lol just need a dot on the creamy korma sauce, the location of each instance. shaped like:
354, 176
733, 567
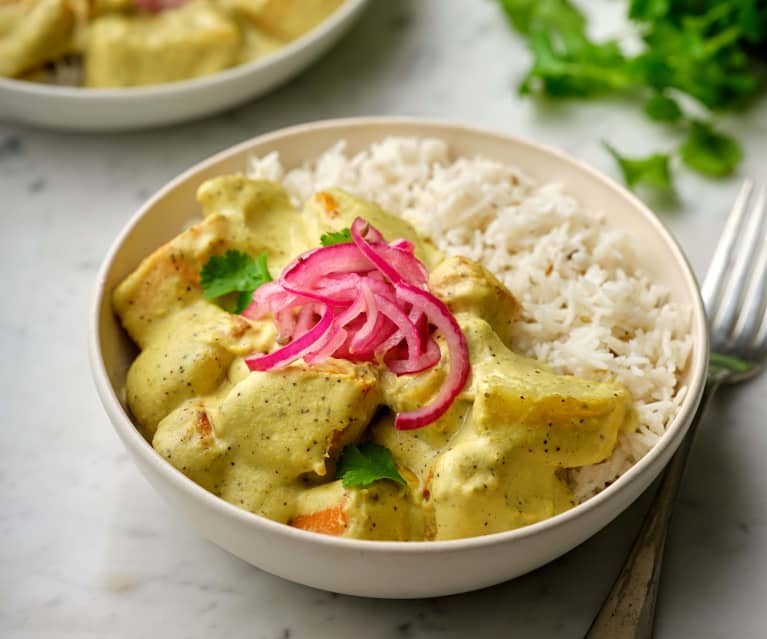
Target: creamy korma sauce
268, 441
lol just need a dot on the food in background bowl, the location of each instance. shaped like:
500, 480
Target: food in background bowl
128, 43
520, 441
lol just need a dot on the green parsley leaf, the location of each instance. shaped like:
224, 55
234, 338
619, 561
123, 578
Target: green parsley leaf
663, 108
709, 152
234, 272
336, 237
651, 170
361, 466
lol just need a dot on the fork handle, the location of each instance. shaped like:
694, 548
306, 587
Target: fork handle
628, 612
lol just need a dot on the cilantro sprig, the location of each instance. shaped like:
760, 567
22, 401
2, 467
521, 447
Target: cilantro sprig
663, 108
717, 361
362, 465
709, 152
336, 237
234, 272
652, 170
706, 52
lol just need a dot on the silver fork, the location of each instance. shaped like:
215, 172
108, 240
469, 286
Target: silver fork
735, 296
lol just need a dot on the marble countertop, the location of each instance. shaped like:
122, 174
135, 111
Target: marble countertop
87, 549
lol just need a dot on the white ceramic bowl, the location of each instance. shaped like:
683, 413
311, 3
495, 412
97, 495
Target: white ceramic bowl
74, 108
388, 569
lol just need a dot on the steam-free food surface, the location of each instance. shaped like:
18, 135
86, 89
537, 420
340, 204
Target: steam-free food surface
525, 440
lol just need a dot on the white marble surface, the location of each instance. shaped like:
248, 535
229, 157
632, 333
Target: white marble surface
86, 547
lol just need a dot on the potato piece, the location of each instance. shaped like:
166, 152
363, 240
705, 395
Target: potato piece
11, 15
134, 50
322, 509
497, 459
190, 357
262, 216
242, 214
334, 209
272, 430
468, 287
479, 487
256, 43
382, 511
187, 440
32, 33
287, 19
567, 421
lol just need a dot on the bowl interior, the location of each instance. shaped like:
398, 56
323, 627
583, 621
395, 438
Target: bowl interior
166, 213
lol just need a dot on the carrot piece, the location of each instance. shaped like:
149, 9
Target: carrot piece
331, 521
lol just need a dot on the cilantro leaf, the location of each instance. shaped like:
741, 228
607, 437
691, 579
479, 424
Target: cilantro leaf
234, 272
731, 364
648, 9
709, 152
336, 237
568, 65
530, 15
663, 108
707, 64
652, 170
361, 466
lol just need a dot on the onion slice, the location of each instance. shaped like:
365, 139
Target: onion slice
296, 349
365, 334
458, 372
397, 264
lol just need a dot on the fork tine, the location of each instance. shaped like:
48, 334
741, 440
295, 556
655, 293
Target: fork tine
754, 311
747, 243
720, 263
760, 341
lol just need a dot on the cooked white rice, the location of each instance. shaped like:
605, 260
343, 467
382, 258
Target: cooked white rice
586, 310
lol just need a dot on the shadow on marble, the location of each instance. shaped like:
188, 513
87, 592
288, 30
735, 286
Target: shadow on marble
715, 526
154, 569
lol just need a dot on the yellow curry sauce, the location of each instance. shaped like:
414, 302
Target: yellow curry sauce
268, 441
122, 44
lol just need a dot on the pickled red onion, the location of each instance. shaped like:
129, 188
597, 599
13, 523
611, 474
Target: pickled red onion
439, 315
365, 300
293, 351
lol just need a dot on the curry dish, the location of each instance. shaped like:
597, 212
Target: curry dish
269, 442
125, 43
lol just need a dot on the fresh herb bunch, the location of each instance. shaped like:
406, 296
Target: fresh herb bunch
712, 51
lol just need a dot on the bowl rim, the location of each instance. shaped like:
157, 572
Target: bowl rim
334, 21
131, 437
